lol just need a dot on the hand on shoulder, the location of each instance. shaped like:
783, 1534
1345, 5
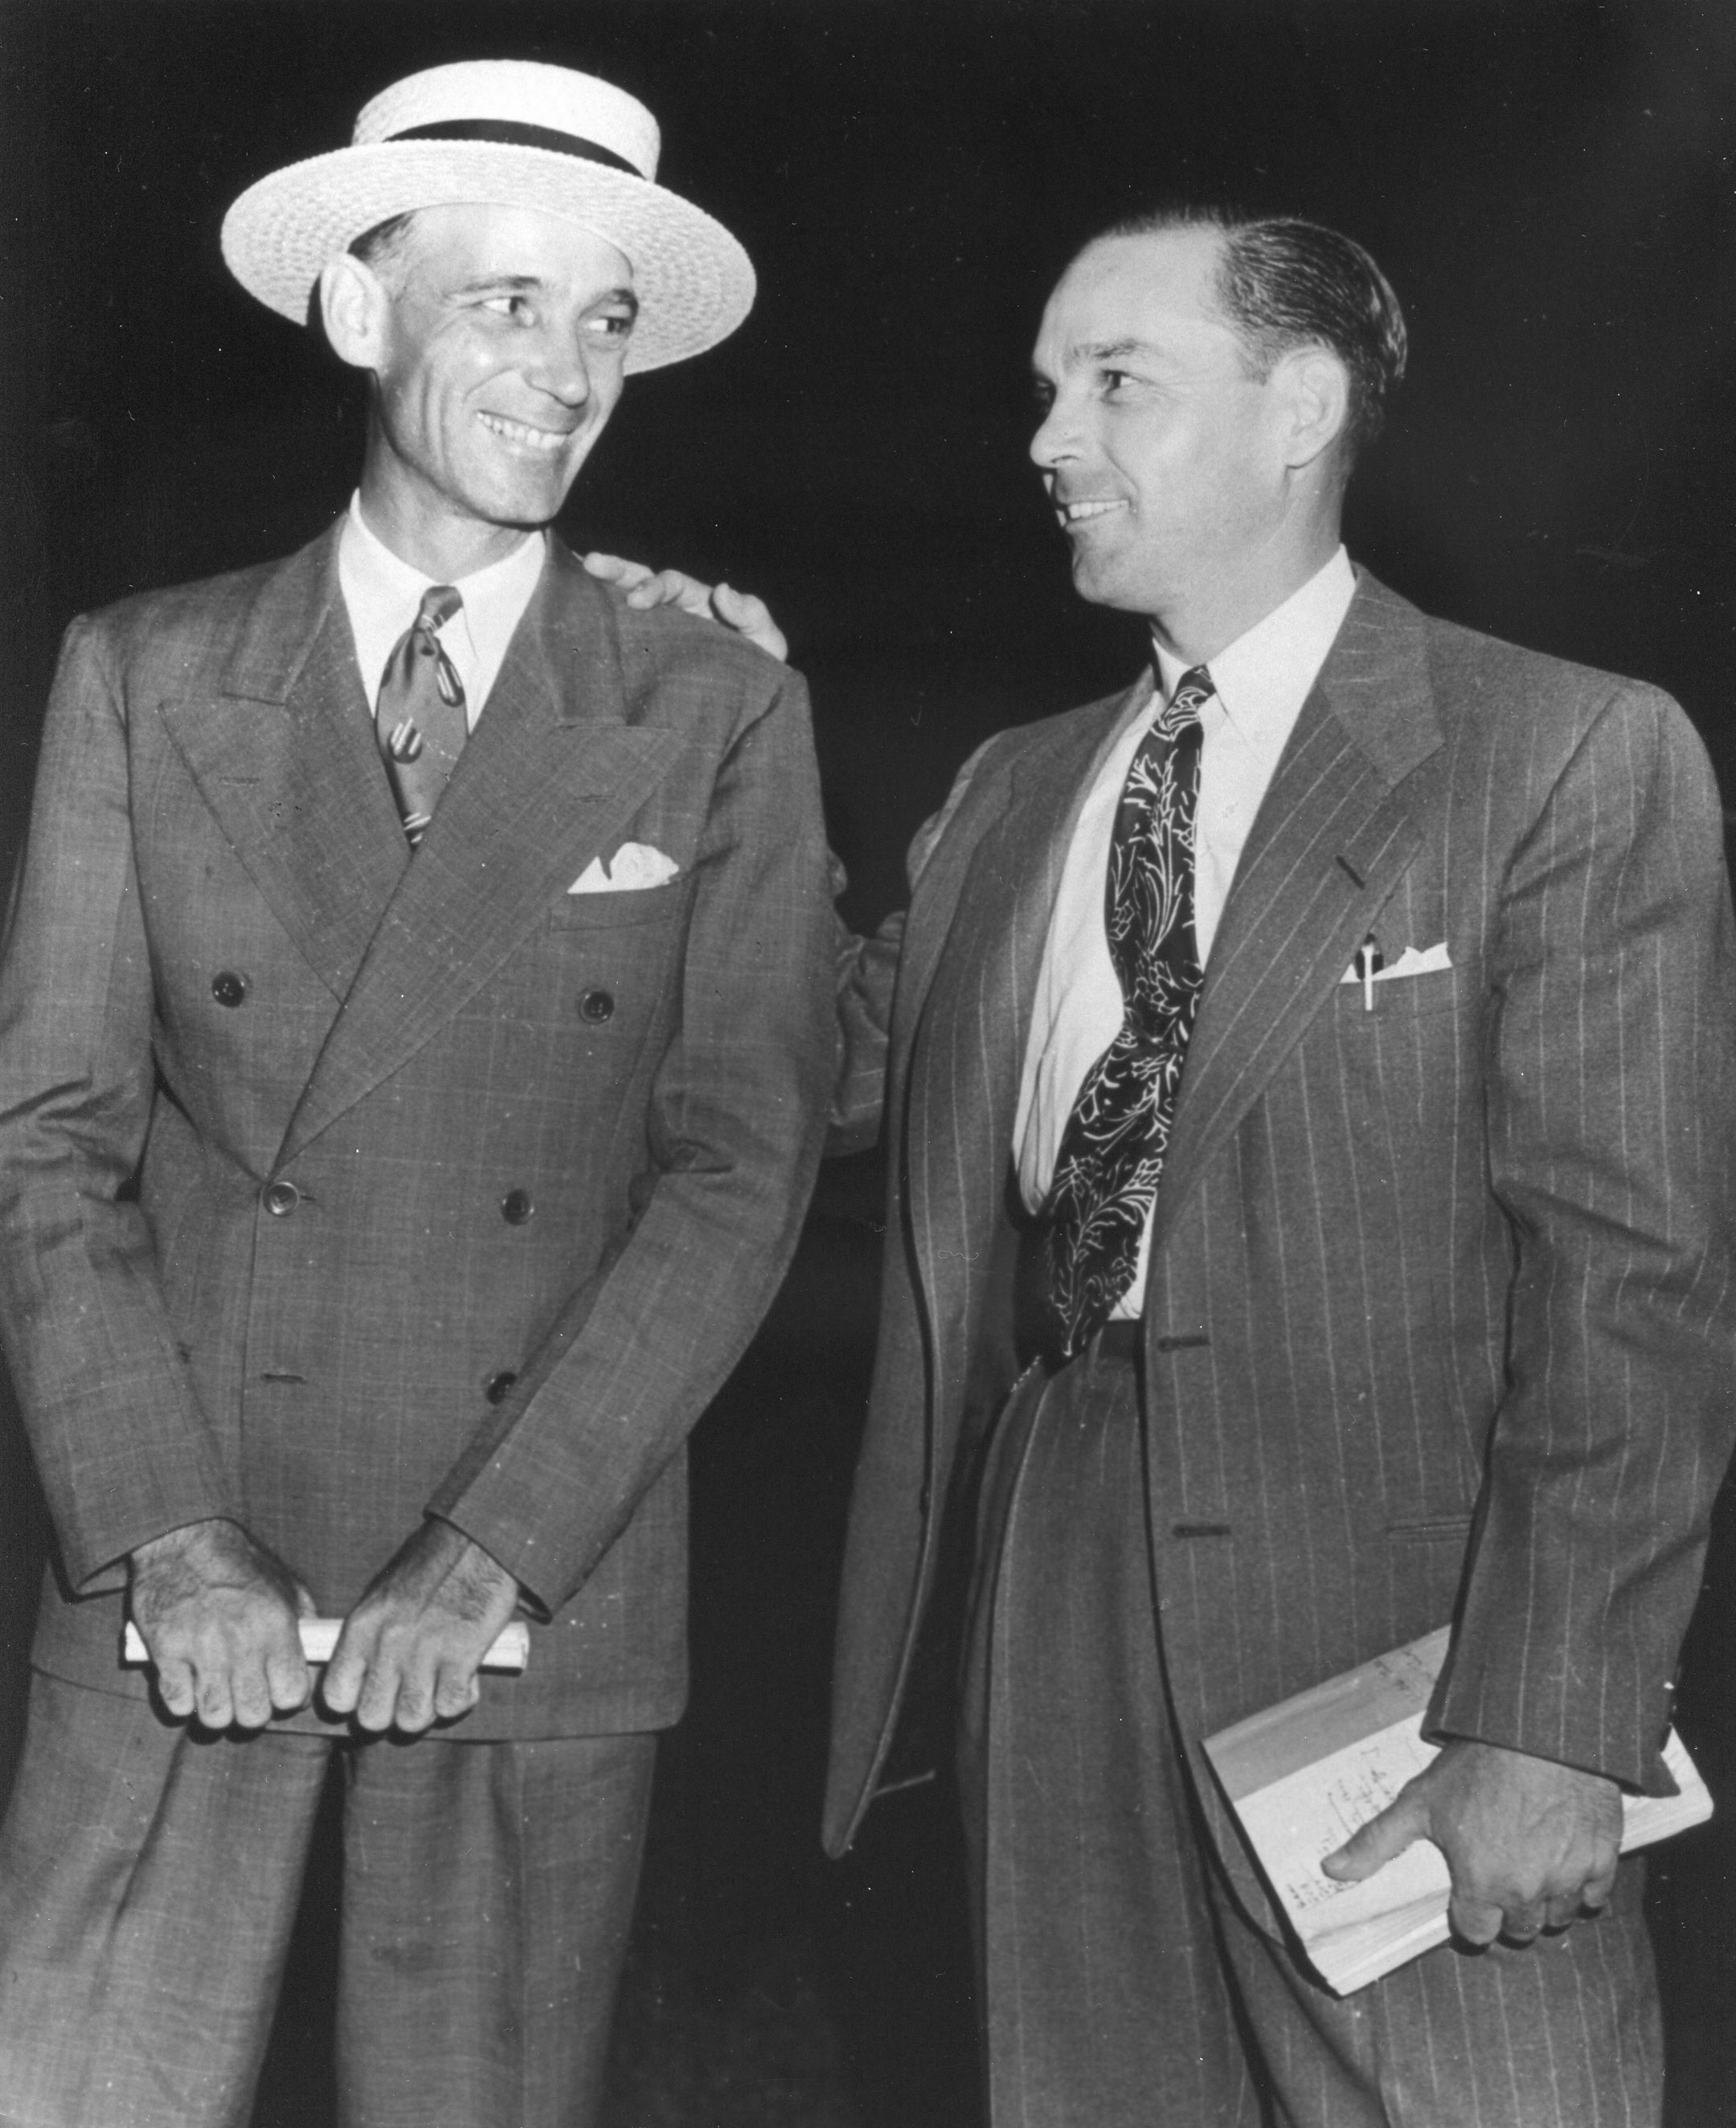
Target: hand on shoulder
740, 612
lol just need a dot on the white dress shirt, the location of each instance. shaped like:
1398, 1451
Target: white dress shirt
1260, 682
382, 594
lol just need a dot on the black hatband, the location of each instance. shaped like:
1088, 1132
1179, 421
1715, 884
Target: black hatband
508, 132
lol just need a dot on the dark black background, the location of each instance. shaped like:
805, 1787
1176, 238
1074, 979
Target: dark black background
1550, 188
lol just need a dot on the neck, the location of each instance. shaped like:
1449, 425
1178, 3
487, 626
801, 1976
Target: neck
1204, 620
442, 548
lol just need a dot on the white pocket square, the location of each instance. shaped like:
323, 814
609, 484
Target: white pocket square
1410, 962
633, 866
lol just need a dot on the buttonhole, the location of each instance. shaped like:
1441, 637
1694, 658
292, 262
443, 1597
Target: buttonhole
1200, 1529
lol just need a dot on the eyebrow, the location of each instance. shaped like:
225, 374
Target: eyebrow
1085, 351
514, 284
1113, 350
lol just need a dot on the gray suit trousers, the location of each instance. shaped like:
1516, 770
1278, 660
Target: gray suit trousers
148, 1881
1123, 1986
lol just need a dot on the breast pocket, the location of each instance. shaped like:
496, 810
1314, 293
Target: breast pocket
626, 906
1403, 998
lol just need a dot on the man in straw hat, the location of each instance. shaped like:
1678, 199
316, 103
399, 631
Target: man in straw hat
414, 1027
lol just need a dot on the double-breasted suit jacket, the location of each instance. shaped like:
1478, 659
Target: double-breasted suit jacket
340, 1186
1439, 1322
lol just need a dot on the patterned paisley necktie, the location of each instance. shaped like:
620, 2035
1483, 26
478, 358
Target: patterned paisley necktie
420, 719
1111, 1154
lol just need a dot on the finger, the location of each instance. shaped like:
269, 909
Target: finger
1563, 1912
751, 617
215, 1707
1375, 1845
1594, 1894
1522, 1924
377, 1705
457, 1691
669, 587
404, 1699
1474, 1921
614, 569
347, 1671
174, 1682
288, 1678
250, 1694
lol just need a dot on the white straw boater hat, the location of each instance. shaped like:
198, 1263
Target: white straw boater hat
502, 133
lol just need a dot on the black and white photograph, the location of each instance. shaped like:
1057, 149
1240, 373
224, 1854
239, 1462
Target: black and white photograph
867, 1064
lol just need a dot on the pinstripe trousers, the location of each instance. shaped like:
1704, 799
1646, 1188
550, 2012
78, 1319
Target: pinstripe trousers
1123, 1986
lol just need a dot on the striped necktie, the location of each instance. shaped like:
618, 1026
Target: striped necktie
1111, 1152
420, 719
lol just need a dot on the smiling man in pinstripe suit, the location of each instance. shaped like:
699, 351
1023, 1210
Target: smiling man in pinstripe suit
1308, 1082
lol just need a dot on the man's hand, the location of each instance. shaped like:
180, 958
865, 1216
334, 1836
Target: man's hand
408, 1652
1530, 1843
740, 610
218, 1614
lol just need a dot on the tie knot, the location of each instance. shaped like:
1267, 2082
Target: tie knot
1181, 713
439, 602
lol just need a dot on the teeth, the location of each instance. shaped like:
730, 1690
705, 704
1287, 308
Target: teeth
550, 441
1073, 512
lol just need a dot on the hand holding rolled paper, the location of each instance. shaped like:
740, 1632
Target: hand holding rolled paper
319, 1637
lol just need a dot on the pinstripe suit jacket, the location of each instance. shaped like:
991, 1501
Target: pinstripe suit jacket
635, 1079
1439, 1320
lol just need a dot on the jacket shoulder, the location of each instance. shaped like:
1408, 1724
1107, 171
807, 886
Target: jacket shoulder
179, 625
1475, 675
668, 644
1514, 717
182, 605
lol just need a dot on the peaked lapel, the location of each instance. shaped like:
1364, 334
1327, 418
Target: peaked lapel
975, 1015
283, 754
1332, 838
550, 774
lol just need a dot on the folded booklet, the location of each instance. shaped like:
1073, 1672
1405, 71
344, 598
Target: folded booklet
1306, 1774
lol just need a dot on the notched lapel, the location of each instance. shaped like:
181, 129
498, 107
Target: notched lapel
1334, 836
284, 757
548, 781
976, 1011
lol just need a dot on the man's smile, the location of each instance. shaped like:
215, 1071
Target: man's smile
549, 441
1087, 506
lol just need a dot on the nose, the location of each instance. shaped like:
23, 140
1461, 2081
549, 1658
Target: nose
1057, 437
557, 366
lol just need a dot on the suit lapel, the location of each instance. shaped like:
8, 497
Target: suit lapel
550, 776
984, 938
1334, 836
283, 754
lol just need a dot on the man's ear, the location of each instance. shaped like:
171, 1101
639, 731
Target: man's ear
355, 308
1317, 401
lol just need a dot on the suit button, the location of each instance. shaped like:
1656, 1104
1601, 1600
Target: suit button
228, 988
516, 1207
497, 1385
596, 1005
281, 1198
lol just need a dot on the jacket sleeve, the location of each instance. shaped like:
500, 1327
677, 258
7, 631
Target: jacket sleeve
867, 978
737, 1115
123, 1450
1610, 1107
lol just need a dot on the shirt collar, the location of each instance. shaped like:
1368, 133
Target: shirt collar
1263, 678
382, 593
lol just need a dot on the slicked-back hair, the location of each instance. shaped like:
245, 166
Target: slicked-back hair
383, 247
1284, 283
